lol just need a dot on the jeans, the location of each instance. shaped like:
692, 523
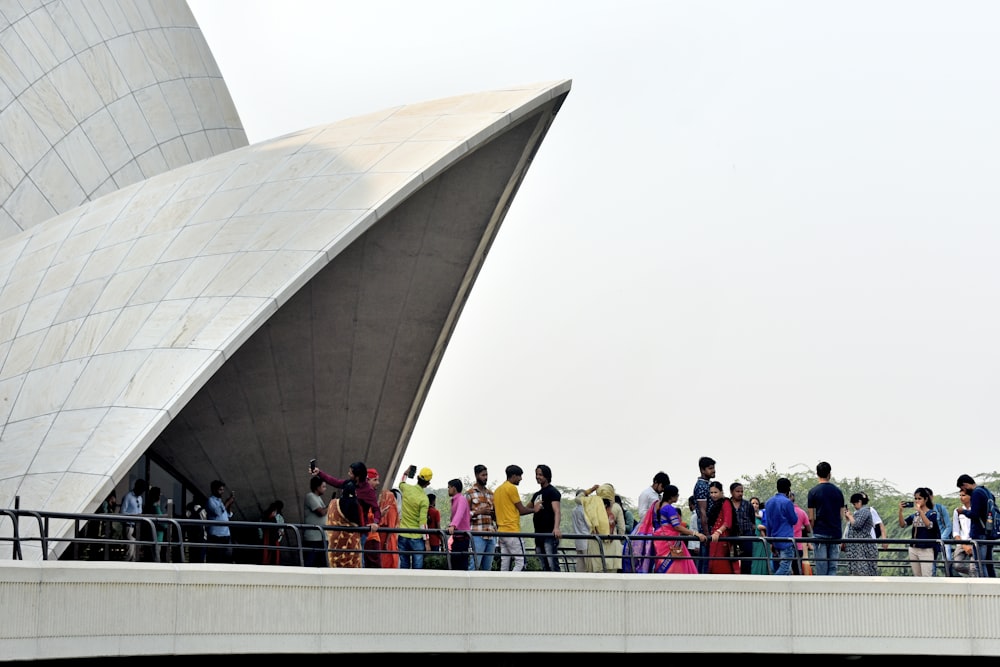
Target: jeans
219, 550
485, 548
411, 553
547, 549
314, 554
782, 562
459, 555
826, 552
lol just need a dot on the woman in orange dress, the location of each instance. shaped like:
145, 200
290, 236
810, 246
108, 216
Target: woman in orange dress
721, 519
390, 519
344, 545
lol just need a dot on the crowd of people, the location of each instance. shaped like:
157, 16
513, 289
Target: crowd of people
361, 526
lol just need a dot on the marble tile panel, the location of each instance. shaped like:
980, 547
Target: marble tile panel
20, 440
462, 128
198, 145
323, 229
42, 311
102, 72
152, 162
235, 274
187, 54
80, 300
181, 106
168, 376
175, 152
234, 316
128, 174
273, 229
36, 44
10, 321
396, 129
203, 92
79, 155
220, 140
102, 379
115, 19
30, 204
104, 135
173, 215
51, 36
146, 251
271, 197
147, 15
6, 96
83, 22
222, 204
231, 117
57, 183
199, 314
12, 42
45, 389
23, 139
121, 431
319, 191
158, 280
132, 124
60, 275
125, 325
279, 276
198, 277
78, 246
8, 226
302, 164
56, 340
189, 241
161, 321
357, 159
90, 334
46, 107
125, 228
133, 18
62, 19
103, 262
153, 107
369, 190
13, 78
21, 354
414, 156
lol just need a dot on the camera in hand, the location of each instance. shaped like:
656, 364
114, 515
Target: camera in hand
908, 503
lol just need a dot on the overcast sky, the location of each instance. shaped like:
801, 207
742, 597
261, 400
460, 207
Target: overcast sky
762, 232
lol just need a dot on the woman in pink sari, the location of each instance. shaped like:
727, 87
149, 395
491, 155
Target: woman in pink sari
672, 555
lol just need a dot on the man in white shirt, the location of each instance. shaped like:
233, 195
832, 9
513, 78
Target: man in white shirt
651, 494
132, 504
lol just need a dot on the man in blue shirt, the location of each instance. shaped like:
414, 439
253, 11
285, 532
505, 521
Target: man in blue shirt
979, 496
780, 519
218, 533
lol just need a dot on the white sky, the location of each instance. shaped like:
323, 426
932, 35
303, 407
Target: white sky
762, 232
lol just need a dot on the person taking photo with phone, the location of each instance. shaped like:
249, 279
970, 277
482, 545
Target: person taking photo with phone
924, 523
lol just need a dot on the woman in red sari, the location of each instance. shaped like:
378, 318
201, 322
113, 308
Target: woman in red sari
672, 555
721, 519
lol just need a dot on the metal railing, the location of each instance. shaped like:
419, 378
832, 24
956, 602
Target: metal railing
169, 539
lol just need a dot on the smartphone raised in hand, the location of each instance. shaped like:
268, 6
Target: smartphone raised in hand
312, 464
411, 472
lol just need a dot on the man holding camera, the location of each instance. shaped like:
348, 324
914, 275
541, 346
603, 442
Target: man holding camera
413, 515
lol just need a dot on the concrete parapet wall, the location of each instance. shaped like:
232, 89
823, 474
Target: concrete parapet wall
82, 610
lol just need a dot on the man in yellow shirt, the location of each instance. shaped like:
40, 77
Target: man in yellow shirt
509, 508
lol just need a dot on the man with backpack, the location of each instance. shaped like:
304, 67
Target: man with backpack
979, 512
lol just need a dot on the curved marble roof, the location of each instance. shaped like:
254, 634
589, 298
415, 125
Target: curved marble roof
242, 313
95, 96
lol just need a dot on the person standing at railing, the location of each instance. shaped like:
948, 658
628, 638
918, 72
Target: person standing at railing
219, 514
547, 516
863, 556
414, 515
314, 514
482, 511
979, 497
744, 527
779, 521
702, 497
132, 504
826, 508
510, 509
963, 560
721, 519
458, 526
924, 523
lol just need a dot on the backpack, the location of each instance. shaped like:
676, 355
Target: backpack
992, 526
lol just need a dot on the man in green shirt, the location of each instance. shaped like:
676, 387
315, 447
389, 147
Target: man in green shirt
411, 546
